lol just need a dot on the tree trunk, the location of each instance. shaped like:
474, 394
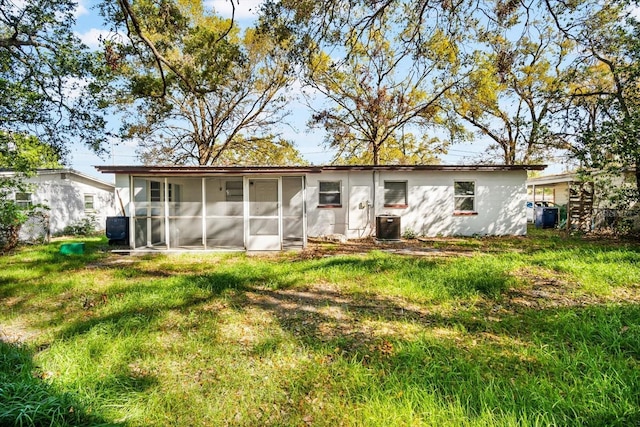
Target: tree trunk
376, 154
637, 180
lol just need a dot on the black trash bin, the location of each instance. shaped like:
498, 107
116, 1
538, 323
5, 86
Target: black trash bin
545, 217
388, 227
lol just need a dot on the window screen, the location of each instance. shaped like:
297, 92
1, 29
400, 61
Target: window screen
23, 199
155, 191
330, 193
464, 196
234, 191
395, 193
88, 202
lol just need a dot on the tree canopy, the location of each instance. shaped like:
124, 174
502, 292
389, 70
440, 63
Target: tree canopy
529, 73
203, 91
48, 78
381, 93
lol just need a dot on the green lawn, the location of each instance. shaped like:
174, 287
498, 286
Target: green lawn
539, 330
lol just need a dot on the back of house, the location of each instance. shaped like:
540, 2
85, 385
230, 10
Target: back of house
273, 208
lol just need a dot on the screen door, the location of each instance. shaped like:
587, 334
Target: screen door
264, 215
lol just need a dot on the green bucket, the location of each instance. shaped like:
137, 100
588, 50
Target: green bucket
72, 248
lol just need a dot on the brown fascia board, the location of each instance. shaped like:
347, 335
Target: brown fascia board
205, 170
235, 170
435, 167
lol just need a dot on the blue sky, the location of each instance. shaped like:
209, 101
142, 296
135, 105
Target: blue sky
90, 27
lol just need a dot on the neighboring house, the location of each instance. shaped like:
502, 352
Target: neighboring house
587, 200
70, 196
551, 188
270, 208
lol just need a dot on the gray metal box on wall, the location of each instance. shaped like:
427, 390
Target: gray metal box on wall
388, 227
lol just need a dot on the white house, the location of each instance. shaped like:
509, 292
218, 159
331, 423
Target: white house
270, 208
70, 196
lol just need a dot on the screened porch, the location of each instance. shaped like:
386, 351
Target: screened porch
218, 213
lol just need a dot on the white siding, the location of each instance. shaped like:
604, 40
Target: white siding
500, 200
327, 220
65, 199
499, 203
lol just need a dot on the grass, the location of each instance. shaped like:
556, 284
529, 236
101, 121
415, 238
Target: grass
541, 330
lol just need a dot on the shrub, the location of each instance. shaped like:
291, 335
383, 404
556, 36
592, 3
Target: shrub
83, 227
409, 233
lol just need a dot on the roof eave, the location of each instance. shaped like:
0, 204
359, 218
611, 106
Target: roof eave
239, 170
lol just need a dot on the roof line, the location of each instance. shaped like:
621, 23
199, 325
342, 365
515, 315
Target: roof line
196, 170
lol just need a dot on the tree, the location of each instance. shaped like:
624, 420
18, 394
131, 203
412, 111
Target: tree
524, 92
379, 89
48, 79
607, 91
204, 93
516, 89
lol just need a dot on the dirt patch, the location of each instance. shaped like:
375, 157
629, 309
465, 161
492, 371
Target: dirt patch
317, 248
322, 312
543, 291
17, 334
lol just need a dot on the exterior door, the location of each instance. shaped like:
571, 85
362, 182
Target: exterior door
264, 232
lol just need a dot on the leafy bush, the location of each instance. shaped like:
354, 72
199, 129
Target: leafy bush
409, 233
12, 215
83, 227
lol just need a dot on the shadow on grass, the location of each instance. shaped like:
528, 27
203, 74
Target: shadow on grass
565, 365
27, 400
460, 277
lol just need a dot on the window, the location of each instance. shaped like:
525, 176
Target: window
234, 191
464, 194
395, 194
88, 202
330, 195
23, 200
155, 193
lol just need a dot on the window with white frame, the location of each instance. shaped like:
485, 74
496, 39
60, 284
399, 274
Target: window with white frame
464, 194
89, 202
330, 194
23, 200
395, 194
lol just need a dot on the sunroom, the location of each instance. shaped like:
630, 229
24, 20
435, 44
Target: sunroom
225, 211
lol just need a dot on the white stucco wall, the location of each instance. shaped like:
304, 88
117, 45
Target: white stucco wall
65, 199
499, 203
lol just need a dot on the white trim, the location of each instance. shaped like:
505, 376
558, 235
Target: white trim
304, 210
203, 202
132, 214
248, 238
475, 195
167, 229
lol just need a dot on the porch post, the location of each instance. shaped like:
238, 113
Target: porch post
166, 213
304, 211
280, 211
132, 215
245, 210
204, 212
